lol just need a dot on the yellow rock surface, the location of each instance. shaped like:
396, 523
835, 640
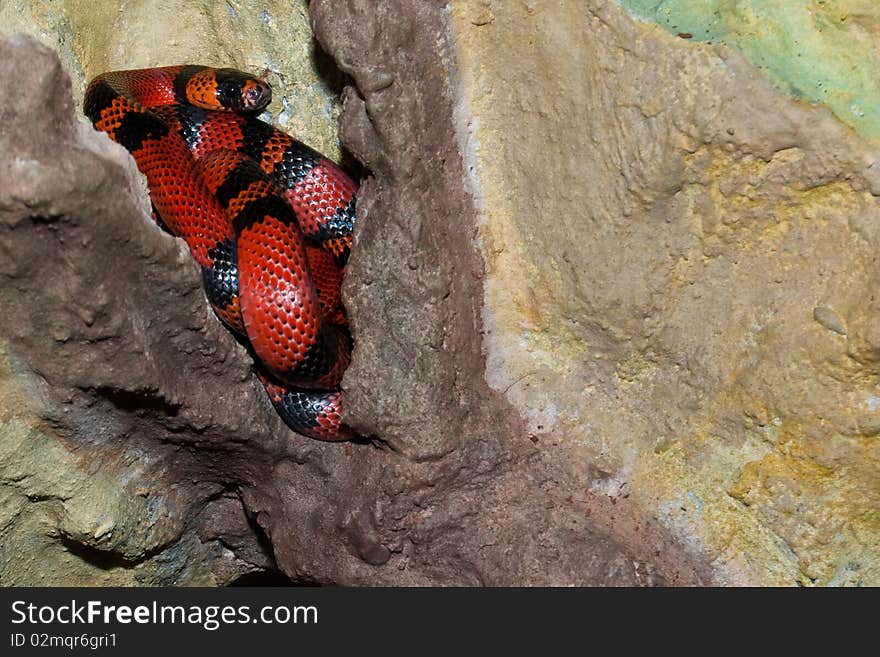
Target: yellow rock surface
681, 282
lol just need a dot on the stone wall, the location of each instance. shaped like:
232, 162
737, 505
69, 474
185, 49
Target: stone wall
612, 296
681, 278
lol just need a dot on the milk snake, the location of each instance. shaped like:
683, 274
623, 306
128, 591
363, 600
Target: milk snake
268, 220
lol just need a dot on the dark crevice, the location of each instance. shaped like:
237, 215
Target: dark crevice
262, 578
336, 81
328, 72
132, 401
47, 218
103, 559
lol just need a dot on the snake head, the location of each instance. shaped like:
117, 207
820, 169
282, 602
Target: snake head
241, 92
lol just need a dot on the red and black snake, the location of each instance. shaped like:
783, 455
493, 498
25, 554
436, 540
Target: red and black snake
268, 220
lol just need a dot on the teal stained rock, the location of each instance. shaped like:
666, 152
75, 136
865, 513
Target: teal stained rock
821, 51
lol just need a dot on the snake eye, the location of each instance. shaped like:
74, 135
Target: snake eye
229, 94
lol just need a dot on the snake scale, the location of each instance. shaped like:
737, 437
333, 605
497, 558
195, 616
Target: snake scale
268, 219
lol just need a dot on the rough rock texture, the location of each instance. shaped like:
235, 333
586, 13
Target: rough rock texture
502, 509
681, 282
170, 466
105, 409
824, 52
614, 313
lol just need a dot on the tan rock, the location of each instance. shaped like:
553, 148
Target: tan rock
681, 282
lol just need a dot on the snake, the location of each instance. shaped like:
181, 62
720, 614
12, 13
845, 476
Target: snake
268, 220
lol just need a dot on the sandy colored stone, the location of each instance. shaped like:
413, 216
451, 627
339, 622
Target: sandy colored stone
680, 285
491, 503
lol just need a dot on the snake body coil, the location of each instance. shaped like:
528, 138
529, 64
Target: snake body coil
268, 220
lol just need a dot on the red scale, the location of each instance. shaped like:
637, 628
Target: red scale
289, 302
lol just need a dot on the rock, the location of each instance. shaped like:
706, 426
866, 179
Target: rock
513, 511
97, 413
658, 225
819, 52
612, 301
127, 377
